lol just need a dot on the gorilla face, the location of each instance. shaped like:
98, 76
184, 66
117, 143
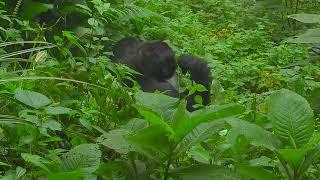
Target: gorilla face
158, 60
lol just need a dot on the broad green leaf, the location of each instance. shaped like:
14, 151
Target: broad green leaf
32, 9
180, 116
153, 141
306, 18
111, 169
294, 157
291, 117
151, 117
33, 99
262, 161
26, 140
254, 133
200, 133
256, 173
198, 153
9, 176
309, 37
198, 100
86, 123
57, 110
93, 22
115, 139
313, 142
85, 157
36, 160
239, 145
206, 114
135, 125
200, 88
211, 113
205, 172
73, 175
52, 124
161, 104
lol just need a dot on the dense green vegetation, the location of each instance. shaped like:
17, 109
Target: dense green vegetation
65, 112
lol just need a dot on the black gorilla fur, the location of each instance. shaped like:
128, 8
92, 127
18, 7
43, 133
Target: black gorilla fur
155, 60
200, 73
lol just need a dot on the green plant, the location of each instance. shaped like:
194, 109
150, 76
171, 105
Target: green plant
65, 113
312, 35
294, 143
169, 134
79, 162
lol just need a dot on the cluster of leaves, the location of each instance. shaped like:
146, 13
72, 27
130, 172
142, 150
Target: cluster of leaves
65, 113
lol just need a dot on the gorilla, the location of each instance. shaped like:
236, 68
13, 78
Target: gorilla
156, 63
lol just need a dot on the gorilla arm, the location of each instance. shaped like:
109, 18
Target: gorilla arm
201, 74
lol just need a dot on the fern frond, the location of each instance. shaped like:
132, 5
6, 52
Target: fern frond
127, 12
17, 7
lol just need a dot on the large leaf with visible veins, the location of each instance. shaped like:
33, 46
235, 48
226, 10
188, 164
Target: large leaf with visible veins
291, 117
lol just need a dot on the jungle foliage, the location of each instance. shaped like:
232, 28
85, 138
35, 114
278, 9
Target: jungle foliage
65, 112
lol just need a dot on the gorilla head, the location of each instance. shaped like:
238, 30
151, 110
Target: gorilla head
157, 60
153, 59
125, 50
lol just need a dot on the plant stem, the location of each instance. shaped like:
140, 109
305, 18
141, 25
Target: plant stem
287, 10
283, 163
166, 174
254, 107
297, 7
295, 12
131, 157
